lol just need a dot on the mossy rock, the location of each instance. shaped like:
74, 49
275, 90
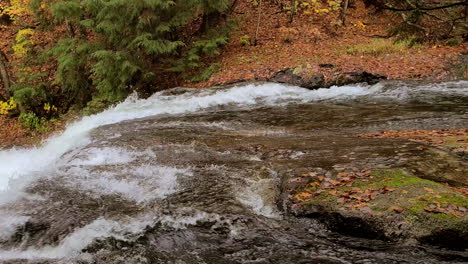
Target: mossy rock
393, 204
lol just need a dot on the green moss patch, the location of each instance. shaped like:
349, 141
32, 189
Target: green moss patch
423, 204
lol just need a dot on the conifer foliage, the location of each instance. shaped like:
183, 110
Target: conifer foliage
113, 46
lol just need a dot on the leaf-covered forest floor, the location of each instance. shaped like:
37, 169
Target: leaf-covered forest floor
312, 40
309, 41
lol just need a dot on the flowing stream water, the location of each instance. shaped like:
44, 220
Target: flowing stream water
196, 177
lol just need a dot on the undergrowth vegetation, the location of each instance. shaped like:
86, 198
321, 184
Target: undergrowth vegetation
378, 47
110, 48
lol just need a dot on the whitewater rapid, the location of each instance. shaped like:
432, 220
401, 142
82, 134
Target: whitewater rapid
22, 164
17, 163
74, 160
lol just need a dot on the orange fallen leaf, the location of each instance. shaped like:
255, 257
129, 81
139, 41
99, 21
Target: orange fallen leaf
456, 214
359, 205
396, 209
341, 174
315, 183
334, 182
429, 190
302, 195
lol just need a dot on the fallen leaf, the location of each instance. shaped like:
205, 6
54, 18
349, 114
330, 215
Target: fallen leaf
359, 205
334, 182
388, 189
315, 183
429, 190
341, 175
302, 195
396, 209
456, 214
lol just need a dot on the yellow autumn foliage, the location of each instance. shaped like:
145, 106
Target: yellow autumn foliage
48, 108
319, 7
16, 8
23, 42
6, 107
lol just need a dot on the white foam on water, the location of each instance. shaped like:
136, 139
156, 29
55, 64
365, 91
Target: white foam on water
9, 224
104, 156
186, 217
259, 196
72, 245
456, 87
140, 183
143, 184
182, 222
126, 230
403, 91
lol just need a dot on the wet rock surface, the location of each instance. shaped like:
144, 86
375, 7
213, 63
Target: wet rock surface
294, 76
219, 186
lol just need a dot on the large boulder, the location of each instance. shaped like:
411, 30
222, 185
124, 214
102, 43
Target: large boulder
357, 77
296, 76
293, 76
389, 204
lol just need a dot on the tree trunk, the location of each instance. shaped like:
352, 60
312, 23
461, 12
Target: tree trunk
343, 12
258, 22
293, 11
4, 74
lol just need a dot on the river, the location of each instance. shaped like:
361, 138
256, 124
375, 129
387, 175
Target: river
196, 177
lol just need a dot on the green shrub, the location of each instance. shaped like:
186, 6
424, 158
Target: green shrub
244, 40
453, 42
32, 122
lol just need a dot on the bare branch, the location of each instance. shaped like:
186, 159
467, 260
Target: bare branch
386, 7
